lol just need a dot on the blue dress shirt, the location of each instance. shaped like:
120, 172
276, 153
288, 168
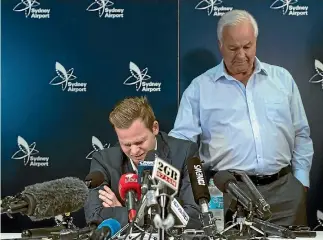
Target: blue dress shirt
258, 128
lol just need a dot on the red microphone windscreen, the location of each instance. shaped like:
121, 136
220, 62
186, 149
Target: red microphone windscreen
129, 182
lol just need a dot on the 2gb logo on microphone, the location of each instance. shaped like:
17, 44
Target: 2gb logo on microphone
166, 173
27, 153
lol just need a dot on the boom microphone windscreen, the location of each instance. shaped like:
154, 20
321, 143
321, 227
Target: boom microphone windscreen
52, 198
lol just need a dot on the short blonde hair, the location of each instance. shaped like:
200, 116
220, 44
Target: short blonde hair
131, 109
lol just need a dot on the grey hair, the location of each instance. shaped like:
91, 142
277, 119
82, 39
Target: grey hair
234, 17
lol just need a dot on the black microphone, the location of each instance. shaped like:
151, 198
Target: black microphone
49, 199
77, 233
226, 183
259, 199
274, 229
41, 232
198, 181
94, 179
201, 194
145, 169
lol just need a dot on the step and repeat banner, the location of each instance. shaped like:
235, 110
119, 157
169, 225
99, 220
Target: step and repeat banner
290, 36
65, 64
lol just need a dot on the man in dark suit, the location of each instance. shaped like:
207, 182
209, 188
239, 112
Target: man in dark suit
138, 132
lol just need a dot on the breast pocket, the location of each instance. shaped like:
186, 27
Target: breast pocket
277, 109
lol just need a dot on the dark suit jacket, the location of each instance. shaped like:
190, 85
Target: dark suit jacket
113, 163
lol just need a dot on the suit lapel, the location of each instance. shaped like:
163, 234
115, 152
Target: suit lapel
162, 148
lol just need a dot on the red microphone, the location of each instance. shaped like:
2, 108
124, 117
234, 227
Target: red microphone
130, 192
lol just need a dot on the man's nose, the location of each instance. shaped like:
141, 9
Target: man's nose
241, 53
134, 150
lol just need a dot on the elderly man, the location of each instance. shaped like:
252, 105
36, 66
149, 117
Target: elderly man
138, 132
249, 116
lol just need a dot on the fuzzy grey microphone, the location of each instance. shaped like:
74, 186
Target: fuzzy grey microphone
49, 199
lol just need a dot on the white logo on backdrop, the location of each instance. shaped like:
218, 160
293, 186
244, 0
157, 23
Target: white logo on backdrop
105, 9
289, 8
318, 77
319, 216
27, 152
65, 79
30, 7
139, 78
97, 146
213, 7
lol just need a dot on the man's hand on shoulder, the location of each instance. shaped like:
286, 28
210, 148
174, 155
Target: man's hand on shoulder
108, 198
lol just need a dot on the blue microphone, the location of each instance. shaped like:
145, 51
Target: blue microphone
106, 229
145, 169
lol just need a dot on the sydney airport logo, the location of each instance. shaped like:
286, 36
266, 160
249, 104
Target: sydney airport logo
105, 9
66, 80
140, 78
213, 7
290, 8
319, 215
32, 9
27, 153
318, 77
97, 146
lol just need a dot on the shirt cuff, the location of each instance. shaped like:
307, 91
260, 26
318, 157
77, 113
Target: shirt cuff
303, 176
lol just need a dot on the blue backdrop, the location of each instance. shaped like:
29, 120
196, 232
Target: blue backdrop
52, 48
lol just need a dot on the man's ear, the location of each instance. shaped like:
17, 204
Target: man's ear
155, 128
220, 45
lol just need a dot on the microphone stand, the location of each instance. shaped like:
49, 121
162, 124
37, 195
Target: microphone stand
207, 219
247, 223
244, 223
129, 226
163, 202
14, 204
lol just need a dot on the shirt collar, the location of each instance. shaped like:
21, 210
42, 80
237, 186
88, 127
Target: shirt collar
134, 167
222, 72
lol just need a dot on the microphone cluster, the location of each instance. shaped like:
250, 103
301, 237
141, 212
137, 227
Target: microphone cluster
150, 196
150, 199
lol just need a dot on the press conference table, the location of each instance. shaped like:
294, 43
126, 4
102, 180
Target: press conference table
319, 235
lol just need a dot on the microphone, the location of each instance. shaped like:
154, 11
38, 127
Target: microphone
49, 199
94, 179
76, 233
145, 169
201, 194
227, 183
179, 212
274, 229
199, 186
106, 229
130, 192
41, 232
260, 202
167, 175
